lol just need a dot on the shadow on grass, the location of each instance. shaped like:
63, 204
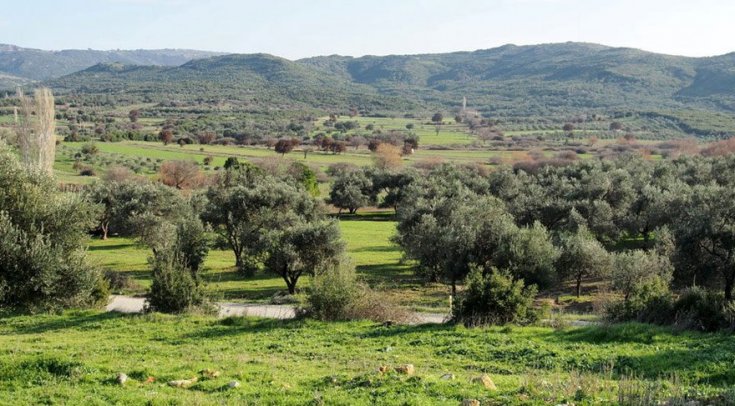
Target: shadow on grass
368, 216
82, 320
691, 357
399, 330
389, 273
388, 248
235, 276
110, 247
235, 325
625, 333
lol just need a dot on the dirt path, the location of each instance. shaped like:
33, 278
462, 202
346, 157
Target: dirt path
129, 304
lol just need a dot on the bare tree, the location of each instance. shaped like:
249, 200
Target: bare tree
387, 157
181, 174
35, 127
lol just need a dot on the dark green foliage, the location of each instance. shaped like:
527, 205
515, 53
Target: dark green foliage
642, 278
333, 293
43, 264
133, 208
696, 308
447, 223
494, 298
174, 288
243, 210
303, 247
582, 256
699, 309
352, 190
705, 234
191, 243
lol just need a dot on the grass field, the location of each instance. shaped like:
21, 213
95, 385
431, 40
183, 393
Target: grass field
146, 155
450, 133
74, 358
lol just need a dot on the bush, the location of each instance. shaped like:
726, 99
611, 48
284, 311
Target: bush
191, 243
174, 288
43, 236
86, 170
338, 295
333, 293
494, 299
120, 281
643, 280
703, 310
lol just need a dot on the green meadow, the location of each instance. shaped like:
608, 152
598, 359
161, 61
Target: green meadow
74, 358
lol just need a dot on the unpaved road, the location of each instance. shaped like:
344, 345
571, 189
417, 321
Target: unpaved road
130, 304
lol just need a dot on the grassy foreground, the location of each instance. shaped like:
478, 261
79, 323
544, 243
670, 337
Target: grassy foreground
74, 358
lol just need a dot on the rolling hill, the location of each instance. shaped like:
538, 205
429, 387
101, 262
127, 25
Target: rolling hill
544, 79
537, 80
258, 79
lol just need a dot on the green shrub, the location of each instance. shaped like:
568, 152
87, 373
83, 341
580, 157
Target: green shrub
333, 293
43, 235
192, 243
494, 299
643, 280
695, 309
700, 309
337, 294
174, 288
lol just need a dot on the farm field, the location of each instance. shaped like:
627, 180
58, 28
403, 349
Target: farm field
74, 358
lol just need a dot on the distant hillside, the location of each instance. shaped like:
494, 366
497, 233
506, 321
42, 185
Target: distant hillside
253, 78
11, 82
36, 64
542, 79
538, 80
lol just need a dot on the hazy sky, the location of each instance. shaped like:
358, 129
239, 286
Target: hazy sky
296, 29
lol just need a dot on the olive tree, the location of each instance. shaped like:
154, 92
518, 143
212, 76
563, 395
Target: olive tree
582, 255
352, 190
705, 237
242, 213
43, 237
306, 247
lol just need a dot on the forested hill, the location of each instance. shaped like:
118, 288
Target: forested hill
509, 80
538, 78
257, 79
37, 64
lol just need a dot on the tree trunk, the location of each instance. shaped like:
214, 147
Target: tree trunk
728, 286
291, 286
105, 229
579, 285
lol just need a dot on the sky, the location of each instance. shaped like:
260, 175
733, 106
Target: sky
302, 28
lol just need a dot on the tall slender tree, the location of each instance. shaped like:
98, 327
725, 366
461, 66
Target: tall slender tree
35, 128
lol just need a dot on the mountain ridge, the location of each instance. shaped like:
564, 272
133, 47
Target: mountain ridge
538, 80
38, 65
